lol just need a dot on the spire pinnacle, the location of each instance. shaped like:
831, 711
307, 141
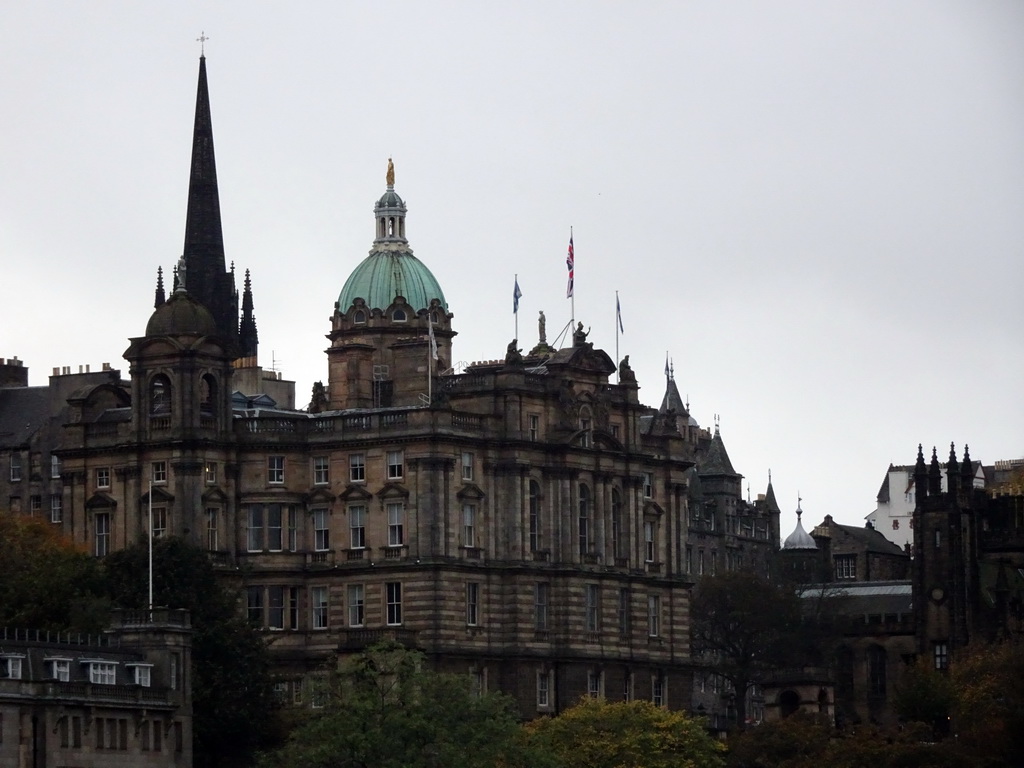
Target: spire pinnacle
160, 297
202, 44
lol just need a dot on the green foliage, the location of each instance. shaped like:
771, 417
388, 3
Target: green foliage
925, 695
804, 741
989, 710
233, 702
743, 627
631, 734
47, 583
384, 711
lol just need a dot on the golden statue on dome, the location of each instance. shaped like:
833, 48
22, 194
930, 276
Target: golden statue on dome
391, 173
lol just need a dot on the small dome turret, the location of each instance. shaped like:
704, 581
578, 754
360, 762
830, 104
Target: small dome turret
799, 538
181, 315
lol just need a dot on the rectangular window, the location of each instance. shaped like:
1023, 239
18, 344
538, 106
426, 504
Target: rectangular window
714, 562
143, 675
321, 533
293, 532
212, 539
938, 539
700, 562
318, 600
275, 607
357, 526
648, 485
254, 605
255, 528
35, 505
627, 686
357, 468
624, 603
592, 599
846, 566
16, 468
543, 689
210, 473
689, 559
275, 527
56, 508
60, 669
275, 469
469, 525
594, 684
101, 523
159, 522
653, 615
658, 690
534, 427
472, 603
291, 595
393, 596
102, 477
649, 541
396, 465
396, 534
541, 599
54, 467
321, 471
158, 472
102, 673
467, 466
941, 656
356, 605
175, 670
12, 665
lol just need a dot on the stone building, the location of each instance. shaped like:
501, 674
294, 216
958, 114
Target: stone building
525, 520
123, 698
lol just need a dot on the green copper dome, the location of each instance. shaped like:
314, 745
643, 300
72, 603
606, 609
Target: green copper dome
391, 270
383, 275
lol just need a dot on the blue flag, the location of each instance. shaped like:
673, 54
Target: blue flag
516, 293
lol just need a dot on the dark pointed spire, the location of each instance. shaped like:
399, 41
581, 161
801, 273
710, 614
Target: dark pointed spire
161, 297
934, 474
248, 338
967, 471
952, 471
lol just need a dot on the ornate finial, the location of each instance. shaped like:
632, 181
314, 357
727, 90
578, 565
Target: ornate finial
666, 367
202, 43
672, 370
391, 173
799, 501
769, 476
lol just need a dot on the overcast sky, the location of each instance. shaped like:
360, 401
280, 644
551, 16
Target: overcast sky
815, 208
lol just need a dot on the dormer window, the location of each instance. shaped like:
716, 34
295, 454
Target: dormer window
102, 672
398, 316
142, 674
10, 666
359, 318
60, 668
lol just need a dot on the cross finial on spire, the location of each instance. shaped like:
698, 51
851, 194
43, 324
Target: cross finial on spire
202, 43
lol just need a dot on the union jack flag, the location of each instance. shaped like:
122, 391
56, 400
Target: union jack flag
569, 262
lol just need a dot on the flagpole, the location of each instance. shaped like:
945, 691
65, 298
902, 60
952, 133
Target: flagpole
617, 316
151, 546
430, 361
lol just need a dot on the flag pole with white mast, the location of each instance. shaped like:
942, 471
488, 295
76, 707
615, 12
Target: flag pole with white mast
151, 546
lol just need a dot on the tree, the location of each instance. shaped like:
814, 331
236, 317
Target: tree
599, 734
383, 710
989, 709
925, 695
232, 696
743, 627
46, 582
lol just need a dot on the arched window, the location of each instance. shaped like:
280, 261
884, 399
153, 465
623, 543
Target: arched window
535, 536
208, 396
584, 520
617, 544
359, 317
160, 396
586, 427
398, 316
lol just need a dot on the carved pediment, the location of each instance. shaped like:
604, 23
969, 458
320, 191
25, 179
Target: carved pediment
470, 491
100, 501
355, 493
160, 496
216, 496
393, 491
320, 496
653, 510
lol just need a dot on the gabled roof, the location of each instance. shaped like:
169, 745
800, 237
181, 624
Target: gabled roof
872, 539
